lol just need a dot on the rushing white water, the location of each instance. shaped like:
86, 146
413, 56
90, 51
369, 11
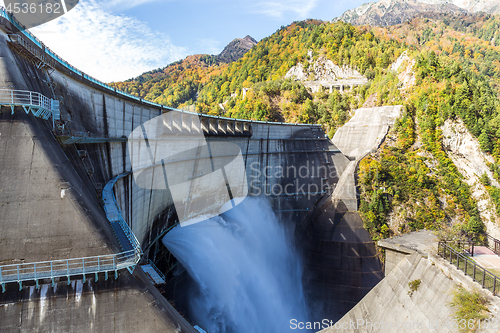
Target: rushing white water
247, 272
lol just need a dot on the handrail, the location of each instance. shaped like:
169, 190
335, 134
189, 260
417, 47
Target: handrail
114, 214
463, 262
42, 56
25, 97
48, 51
160, 274
80, 266
65, 267
37, 103
493, 244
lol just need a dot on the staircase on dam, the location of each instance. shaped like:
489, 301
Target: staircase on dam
153, 273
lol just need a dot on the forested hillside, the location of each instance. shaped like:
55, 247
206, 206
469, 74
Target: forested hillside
412, 180
457, 76
218, 88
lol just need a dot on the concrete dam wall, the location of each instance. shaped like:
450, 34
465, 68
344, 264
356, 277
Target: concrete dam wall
52, 177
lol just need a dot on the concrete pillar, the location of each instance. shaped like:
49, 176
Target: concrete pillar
246, 128
196, 124
205, 125
230, 127
177, 121
214, 126
238, 127
167, 121
186, 122
222, 128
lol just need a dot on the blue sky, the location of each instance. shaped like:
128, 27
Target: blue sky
115, 40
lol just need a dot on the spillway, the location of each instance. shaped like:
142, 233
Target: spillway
247, 274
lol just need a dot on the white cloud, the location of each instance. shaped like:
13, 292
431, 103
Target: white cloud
279, 8
107, 46
125, 4
210, 45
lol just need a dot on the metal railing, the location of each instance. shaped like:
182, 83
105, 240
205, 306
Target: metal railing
42, 57
38, 104
80, 266
65, 268
462, 261
48, 51
160, 274
493, 244
114, 214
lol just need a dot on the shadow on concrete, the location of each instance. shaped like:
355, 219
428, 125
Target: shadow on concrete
341, 263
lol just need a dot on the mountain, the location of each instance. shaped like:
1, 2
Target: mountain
443, 68
179, 82
236, 49
391, 12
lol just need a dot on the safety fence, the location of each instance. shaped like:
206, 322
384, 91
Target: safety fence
42, 58
493, 244
127, 259
464, 262
66, 268
41, 106
156, 270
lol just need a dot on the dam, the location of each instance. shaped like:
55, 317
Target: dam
81, 241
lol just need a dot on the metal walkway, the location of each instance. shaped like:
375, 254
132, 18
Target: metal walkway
36, 103
127, 259
153, 272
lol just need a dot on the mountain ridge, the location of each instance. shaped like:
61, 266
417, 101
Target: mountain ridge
236, 49
391, 12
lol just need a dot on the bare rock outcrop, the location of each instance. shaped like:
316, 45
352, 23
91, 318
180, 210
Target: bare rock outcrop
404, 67
465, 152
324, 73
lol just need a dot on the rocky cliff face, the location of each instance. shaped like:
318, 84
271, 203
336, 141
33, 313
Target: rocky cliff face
404, 67
465, 152
324, 72
390, 12
236, 49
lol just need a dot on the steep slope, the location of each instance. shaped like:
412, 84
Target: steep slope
178, 83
